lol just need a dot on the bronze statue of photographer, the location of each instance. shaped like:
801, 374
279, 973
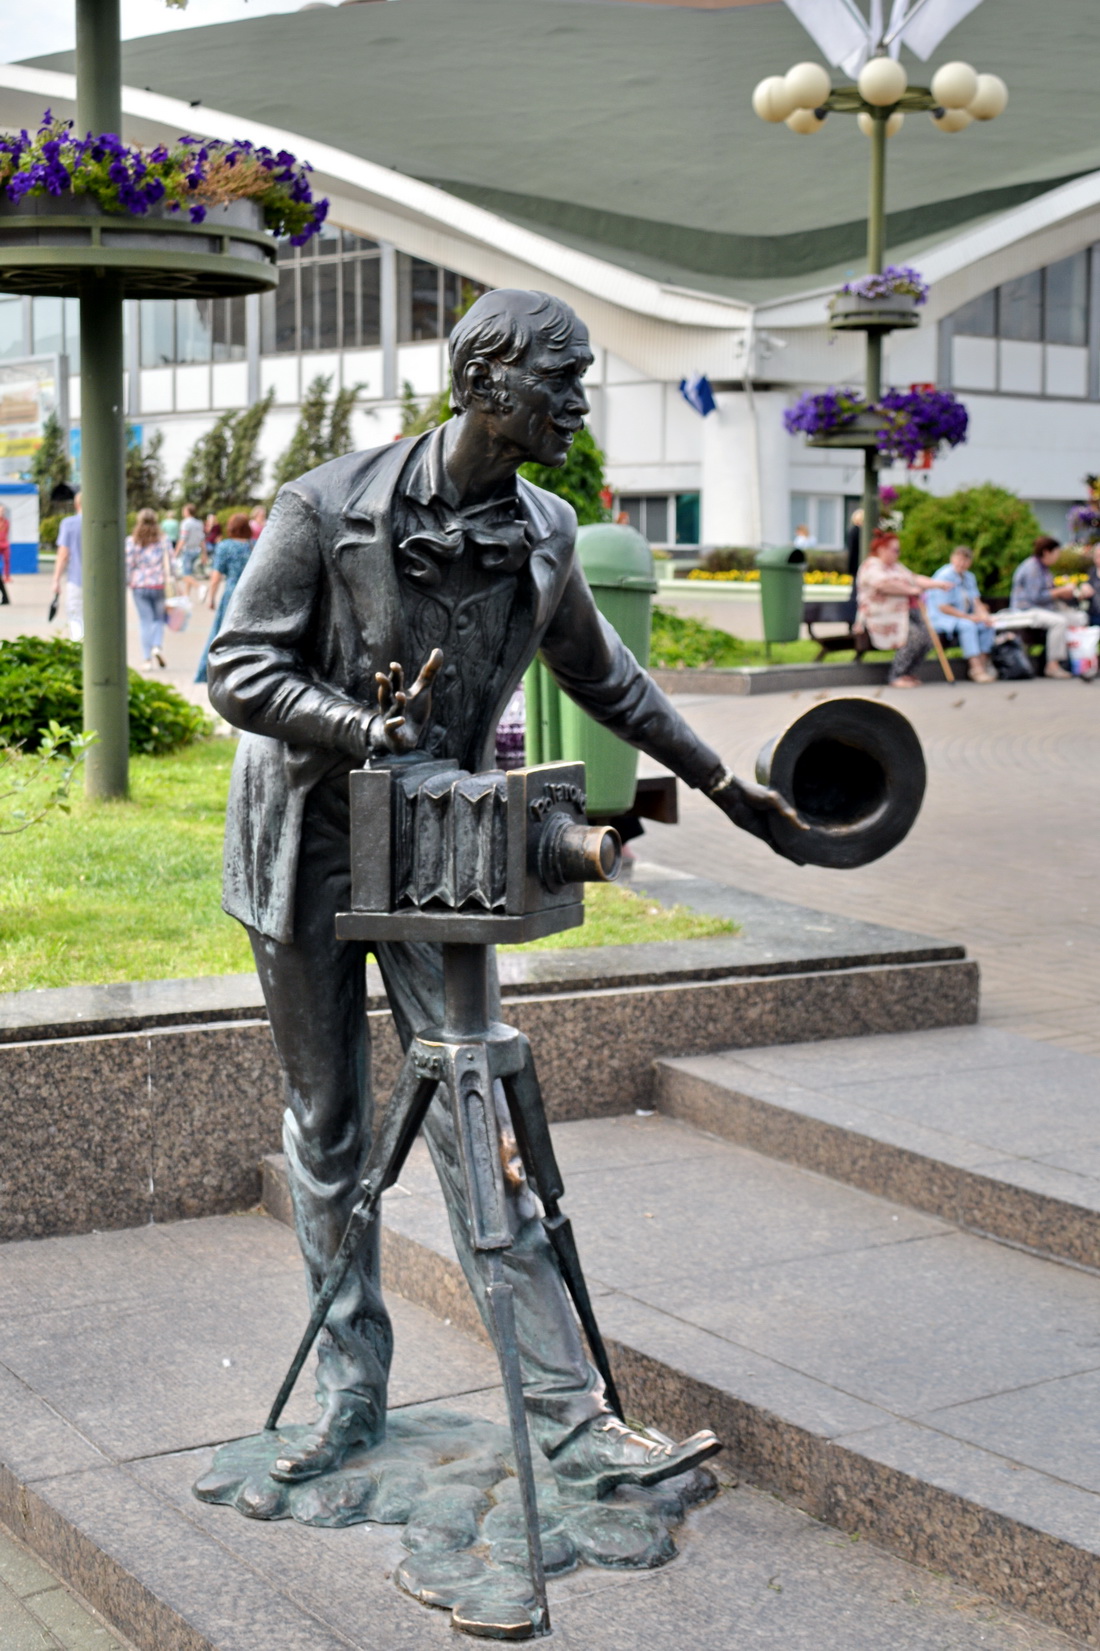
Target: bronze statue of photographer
392, 604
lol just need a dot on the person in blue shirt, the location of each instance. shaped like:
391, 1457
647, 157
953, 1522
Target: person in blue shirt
959, 614
68, 570
1037, 603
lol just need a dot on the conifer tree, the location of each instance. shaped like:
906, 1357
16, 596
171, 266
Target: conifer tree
51, 464
223, 468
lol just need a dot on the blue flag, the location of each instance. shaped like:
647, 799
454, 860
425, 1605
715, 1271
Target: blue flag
697, 392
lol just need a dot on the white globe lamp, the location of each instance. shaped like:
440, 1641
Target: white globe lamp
805, 121
771, 100
951, 120
808, 85
955, 85
990, 100
867, 123
882, 81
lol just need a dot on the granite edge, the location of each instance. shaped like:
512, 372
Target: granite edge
991, 1206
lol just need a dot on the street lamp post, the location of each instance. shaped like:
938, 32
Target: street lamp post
103, 436
880, 99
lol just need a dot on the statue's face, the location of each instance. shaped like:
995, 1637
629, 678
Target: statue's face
547, 399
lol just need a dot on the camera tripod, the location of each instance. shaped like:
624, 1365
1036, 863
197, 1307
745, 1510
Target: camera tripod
467, 1055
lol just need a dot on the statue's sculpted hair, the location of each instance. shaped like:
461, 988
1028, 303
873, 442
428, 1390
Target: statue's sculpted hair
501, 326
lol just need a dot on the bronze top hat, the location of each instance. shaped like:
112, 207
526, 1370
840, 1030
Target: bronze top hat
854, 770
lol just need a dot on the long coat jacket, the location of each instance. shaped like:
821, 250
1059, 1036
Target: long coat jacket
319, 609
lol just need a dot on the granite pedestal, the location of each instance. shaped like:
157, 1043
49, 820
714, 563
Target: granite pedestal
107, 1093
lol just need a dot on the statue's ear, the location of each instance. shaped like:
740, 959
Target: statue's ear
482, 383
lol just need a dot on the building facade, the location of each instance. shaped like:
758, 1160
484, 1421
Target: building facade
691, 238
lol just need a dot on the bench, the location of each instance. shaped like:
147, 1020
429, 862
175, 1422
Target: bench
834, 613
857, 642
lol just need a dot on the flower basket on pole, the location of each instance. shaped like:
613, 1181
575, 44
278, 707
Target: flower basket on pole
52, 244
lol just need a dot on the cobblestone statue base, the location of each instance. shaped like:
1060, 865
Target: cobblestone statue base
450, 1480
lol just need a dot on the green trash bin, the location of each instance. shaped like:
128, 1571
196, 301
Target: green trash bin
781, 570
618, 564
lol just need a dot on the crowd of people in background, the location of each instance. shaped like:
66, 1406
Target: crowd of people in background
908, 612
896, 609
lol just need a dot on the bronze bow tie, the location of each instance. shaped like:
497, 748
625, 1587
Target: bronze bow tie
501, 540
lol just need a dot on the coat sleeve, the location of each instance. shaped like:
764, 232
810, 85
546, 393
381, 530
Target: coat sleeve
257, 675
592, 665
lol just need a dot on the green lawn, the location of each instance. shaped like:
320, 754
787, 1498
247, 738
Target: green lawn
679, 642
131, 891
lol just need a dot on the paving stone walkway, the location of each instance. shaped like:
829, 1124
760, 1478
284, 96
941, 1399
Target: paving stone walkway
38, 1613
999, 860
114, 1462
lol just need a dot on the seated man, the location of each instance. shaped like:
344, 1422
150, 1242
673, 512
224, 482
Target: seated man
1037, 603
959, 614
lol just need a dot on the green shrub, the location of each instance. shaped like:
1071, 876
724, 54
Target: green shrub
999, 528
677, 640
826, 561
47, 530
729, 559
40, 683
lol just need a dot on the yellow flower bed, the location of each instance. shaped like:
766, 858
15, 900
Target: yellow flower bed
751, 576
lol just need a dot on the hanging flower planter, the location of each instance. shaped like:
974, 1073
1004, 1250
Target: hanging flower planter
888, 301
902, 425
197, 219
862, 431
851, 312
53, 244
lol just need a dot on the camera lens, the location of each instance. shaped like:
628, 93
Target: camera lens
575, 853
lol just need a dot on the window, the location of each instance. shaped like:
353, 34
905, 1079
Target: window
687, 518
648, 513
978, 319
1021, 308
190, 330
328, 296
11, 327
429, 299
822, 515
1029, 336
55, 329
48, 326
1066, 292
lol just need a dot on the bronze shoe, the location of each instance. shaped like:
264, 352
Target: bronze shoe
332, 1438
606, 1453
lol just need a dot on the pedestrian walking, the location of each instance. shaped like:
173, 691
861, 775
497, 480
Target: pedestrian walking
230, 559
147, 569
190, 549
5, 555
69, 570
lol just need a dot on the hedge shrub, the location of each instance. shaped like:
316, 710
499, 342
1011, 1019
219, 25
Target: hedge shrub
40, 681
677, 640
999, 528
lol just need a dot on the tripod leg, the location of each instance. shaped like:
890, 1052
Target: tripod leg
537, 1151
471, 1089
403, 1117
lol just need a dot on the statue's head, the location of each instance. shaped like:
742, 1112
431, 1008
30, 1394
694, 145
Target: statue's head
517, 360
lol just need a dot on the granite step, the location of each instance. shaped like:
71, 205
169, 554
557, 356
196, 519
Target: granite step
125, 1357
104, 1089
991, 1131
885, 1370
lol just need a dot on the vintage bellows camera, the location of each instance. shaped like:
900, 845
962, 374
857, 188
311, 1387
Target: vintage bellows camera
441, 854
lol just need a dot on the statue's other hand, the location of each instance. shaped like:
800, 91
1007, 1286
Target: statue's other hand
752, 807
405, 712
